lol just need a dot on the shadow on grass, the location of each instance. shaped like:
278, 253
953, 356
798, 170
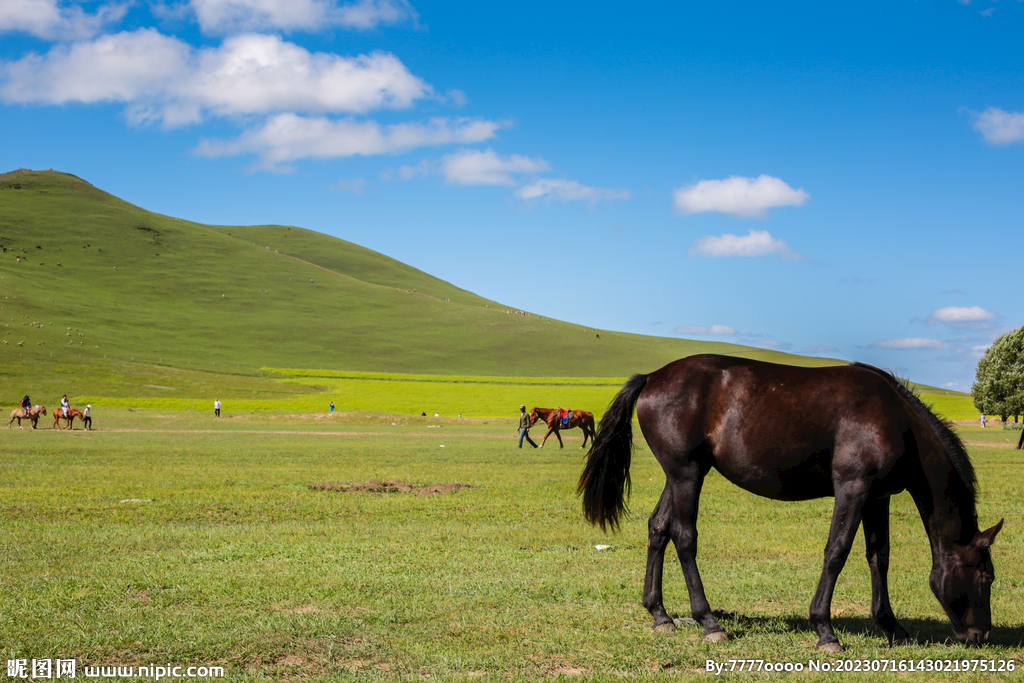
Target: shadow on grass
922, 631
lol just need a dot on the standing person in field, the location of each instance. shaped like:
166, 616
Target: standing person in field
983, 420
87, 417
332, 406
216, 407
524, 427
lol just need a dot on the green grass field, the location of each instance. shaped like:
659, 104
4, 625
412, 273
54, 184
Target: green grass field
305, 391
179, 538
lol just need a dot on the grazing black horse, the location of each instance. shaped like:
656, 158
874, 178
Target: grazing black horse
853, 432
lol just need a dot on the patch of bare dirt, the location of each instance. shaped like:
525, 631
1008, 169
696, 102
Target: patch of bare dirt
388, 486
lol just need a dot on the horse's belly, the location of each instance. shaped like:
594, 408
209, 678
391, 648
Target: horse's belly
799, 479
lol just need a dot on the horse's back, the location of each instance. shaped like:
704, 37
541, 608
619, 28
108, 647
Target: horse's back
779, 431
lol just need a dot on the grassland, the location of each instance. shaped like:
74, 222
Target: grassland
178, 538
304, 391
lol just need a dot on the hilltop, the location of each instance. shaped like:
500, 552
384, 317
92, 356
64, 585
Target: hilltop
96, 286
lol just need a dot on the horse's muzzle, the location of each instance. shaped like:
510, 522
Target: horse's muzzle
974, 637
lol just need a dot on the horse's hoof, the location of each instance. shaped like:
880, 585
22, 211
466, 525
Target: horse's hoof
667, 627
716, 637
831, 647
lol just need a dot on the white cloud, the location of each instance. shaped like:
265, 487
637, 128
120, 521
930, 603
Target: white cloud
234, 16
909, 343
165, 80
756, 243
53, 20
487, 167
475, 167
704, 329
408, 172
1000, 127
288, 137
738, 196
959, 315
768, 343
568, 191
353, 185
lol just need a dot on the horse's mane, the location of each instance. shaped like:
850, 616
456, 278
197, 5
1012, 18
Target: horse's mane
952, 446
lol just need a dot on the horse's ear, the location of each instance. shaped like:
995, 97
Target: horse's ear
984, 538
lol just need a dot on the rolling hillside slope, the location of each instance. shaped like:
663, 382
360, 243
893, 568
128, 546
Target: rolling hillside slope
89, 279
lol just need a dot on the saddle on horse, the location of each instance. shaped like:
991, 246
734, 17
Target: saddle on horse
564, 415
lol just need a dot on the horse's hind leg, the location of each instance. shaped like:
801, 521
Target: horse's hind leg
657, 540
686, 501
675, 517
588, 431
876, 539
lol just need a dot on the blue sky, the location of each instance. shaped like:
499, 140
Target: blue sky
830, 179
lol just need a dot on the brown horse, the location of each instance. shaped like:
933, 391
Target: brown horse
853, 432
58, 415
580, 418
19, 415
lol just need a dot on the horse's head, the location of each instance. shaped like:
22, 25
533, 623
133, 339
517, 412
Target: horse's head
42, 410
533, 416
962, 581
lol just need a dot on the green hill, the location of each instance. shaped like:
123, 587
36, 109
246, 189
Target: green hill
98, 291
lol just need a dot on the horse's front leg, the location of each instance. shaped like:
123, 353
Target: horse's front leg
558, 435
542, 441
876, 540
846, 516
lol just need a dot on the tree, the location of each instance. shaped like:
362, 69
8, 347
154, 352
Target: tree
998, 387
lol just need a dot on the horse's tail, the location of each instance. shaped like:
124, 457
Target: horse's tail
605, 481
